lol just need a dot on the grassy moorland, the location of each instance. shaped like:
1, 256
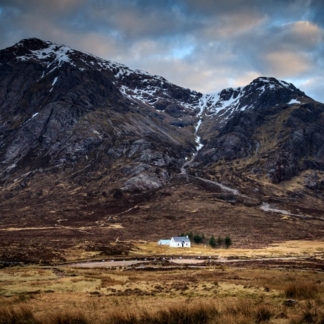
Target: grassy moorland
248, 291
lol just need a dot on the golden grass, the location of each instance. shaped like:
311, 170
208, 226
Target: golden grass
303, 290
17, 315
216, 311
278, 250
216, 294
213, 294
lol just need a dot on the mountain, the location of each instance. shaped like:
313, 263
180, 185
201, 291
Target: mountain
92, 144
273, 122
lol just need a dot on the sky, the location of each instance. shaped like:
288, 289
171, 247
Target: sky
204, 45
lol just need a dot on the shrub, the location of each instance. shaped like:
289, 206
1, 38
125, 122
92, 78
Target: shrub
263, 314
20, 315
308, 316
68, 318
184, 314
200, 313
301, 290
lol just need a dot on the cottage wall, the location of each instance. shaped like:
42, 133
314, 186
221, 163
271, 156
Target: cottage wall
180, 242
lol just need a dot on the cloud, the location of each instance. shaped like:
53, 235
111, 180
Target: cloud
286, 64
312, 86
206, 45
135, 20
235, 24
299, 35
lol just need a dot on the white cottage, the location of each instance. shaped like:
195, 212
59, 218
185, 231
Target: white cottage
164, 242
180, 241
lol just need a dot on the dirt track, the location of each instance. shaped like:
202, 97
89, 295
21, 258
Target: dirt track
285, 262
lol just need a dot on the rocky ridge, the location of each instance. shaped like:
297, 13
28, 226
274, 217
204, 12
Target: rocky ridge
47, 87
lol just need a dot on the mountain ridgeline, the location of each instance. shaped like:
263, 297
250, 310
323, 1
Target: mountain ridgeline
77, 130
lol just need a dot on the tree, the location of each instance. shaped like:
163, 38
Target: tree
219, 241
228, 242
189, 235
197, 239
212, 242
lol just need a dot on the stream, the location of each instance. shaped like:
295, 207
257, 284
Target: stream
264, 206
198, 148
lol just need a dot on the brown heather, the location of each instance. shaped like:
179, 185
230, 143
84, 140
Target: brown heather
250, 291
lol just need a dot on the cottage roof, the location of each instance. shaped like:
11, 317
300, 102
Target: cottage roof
180, 239
164, 241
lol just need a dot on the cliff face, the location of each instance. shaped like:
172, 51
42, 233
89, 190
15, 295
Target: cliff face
82, 138
62, 107
283, 140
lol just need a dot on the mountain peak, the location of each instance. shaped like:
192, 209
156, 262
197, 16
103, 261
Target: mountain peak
261, 92
272, 84
36, 50
33, 43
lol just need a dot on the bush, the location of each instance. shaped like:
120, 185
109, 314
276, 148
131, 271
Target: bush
200, 313
20, 315
69, 318
183, 314
301, 290
263, 314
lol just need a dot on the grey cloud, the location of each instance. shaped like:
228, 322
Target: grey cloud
300, 35
203, 44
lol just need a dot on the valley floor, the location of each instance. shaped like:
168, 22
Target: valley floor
281, 283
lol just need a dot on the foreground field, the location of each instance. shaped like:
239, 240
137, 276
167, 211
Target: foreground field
245, 290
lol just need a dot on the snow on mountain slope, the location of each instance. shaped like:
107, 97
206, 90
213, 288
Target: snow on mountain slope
60, 105
140, 87
136, 85
261, 91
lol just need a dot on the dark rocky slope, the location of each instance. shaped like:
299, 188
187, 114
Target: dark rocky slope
90, 149
60, 107
280, 141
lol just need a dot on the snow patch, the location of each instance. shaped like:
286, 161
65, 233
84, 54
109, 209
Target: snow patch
33, 116
10, 167
294, 101
233, 191
284, 84
54, 81
215, 103
198, 139
267, 208
198, 125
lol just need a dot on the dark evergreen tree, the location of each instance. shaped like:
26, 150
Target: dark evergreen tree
228, 242
212, 242
198, 239
219, 241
